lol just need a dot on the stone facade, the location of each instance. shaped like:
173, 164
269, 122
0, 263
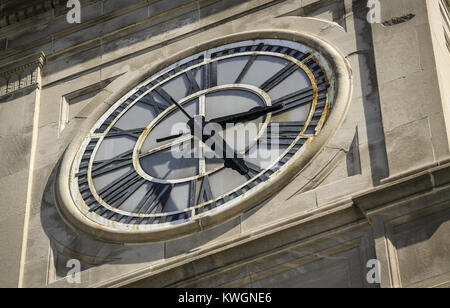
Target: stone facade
378, 189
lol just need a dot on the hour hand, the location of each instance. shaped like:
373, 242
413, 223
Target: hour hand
237, 164
170, 137
229, 156
252, 114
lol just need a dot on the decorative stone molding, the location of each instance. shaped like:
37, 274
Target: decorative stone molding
21, 74
15, 14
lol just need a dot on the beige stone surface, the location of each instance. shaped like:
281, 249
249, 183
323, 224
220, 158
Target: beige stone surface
318, 230
409, 146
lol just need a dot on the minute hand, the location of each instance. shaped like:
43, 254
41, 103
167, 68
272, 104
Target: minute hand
222, 149
247, 116
229, 155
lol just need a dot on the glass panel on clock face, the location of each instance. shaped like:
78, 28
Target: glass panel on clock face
114, 146
104, 180
159, 99
179, 198
299, 113
175, 120
177, 87
130, 205
241, 135
229, 102
164, 165
263, 156
199, 76
295, 82
220, 181
213, 163
263, 69
138, 116
228, 70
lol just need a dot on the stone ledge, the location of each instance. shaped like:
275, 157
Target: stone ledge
17, 13
424, 179
19, 91
30, 61
21, 75
399, 176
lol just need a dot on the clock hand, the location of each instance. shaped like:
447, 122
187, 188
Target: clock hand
182, 109
166, 146
170, 137
247, 116
178, 135
235, 118
221, 147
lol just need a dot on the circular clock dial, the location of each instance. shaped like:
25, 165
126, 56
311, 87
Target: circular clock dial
204, 133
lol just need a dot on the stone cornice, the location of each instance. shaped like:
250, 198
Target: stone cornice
403, 188
30, 62
17, 13
21, 74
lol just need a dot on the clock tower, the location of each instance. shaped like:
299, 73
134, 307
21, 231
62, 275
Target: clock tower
238, 143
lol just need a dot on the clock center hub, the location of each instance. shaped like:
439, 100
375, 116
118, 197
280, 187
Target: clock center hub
174, 149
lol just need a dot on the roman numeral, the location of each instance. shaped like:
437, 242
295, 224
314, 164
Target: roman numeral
204, 195
254, 170
133, 133
279, 77
205, 191
113, 116
300, 98
149, 100
246, 69
249, 64
169, 99
210, 75
296, 99
193, 85
105, 166
117, 192
193, 193
282, 133
84, 164
315, 68
155, 199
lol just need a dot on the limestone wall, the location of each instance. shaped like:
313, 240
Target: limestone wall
379, 179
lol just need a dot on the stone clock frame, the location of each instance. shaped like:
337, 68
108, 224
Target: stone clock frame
342, 79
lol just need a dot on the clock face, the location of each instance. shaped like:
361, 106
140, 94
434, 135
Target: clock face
202, 135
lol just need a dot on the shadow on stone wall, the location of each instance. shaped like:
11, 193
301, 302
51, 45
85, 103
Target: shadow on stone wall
371, 97
66, 243
101, 44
